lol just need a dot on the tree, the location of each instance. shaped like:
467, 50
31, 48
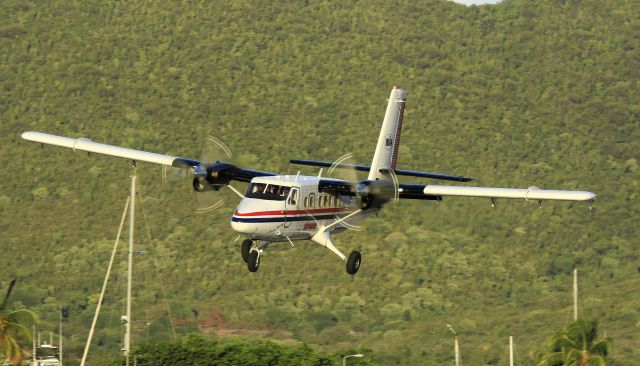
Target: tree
12, 328
577, 345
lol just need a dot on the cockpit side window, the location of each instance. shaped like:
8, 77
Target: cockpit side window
266, 191
256, 188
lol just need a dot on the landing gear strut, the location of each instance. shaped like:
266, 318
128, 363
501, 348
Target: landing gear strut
353, 263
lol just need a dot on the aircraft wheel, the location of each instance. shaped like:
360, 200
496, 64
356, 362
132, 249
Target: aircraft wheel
253, 261
353, 263
245, 249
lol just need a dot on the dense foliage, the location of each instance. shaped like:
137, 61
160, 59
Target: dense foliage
522, 93
197, 350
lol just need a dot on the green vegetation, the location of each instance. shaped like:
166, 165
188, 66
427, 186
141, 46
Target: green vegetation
523, 93
197, 350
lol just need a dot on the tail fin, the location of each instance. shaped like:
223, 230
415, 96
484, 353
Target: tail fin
386, 154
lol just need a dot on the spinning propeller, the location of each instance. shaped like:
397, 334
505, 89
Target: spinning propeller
342, 180
342, 168
210, 174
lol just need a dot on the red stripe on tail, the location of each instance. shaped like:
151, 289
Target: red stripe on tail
396, 143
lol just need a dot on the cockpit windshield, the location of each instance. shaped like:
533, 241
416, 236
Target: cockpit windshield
266, 191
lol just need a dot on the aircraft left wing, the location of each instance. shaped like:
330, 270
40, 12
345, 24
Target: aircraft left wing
216, 173
421, 191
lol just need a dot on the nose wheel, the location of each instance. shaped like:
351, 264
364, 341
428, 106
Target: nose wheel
251, 251
353, 263
245, 249
253, 260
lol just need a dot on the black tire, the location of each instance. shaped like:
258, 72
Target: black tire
253, 262
353, 263
245, 249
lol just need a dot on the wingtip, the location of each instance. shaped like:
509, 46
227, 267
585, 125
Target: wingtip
28, 135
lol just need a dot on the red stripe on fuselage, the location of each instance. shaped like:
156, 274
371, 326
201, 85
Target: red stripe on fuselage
292, 212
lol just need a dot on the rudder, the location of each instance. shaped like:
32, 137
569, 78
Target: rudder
386, 154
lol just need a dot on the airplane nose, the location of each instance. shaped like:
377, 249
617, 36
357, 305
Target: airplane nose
242, 227
237, 226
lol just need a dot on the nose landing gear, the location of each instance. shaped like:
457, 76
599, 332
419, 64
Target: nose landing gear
253, 262
245, 249
251, 251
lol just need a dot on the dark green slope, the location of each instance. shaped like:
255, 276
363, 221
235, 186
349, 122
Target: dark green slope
523, 93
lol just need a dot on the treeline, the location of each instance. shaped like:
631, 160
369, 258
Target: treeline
197, 350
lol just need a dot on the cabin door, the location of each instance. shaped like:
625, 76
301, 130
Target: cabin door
291, 204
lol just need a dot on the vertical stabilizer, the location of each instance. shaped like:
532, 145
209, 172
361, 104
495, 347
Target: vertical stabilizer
386, 154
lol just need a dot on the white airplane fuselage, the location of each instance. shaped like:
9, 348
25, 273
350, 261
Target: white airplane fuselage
296, 215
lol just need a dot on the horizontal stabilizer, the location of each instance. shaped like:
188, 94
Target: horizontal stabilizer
364, 168
412, 173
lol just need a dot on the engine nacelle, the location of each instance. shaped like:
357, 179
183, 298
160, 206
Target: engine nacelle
212, 178
375, 193
201, 185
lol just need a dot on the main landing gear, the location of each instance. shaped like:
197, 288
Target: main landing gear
353, 263
323, 237
251, 251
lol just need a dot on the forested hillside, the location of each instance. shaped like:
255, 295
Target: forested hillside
524, 93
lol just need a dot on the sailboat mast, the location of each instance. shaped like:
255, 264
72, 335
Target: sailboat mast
60, 338
33, 341
132, 205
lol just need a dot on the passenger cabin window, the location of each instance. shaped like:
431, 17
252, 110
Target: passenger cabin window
264, 191
345, 201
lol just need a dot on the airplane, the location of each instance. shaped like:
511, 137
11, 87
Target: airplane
287, 208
